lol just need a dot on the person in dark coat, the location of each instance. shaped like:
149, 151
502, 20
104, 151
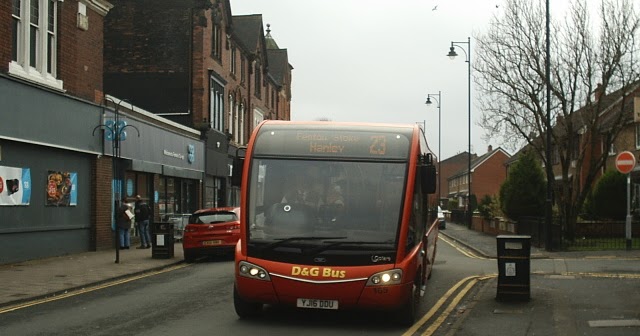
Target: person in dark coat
142, 213
123, 223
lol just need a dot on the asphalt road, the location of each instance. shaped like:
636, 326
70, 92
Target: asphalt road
569, 297
197, 300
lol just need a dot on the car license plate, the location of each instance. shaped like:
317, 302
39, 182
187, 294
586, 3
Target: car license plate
212, 242
317, 304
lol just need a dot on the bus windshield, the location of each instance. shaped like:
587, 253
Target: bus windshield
306, 207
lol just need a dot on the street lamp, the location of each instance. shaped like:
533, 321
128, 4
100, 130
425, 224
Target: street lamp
452, 54
428, 102
114, 131
548, 241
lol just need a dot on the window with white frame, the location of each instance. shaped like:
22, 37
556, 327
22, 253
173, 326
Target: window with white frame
258, 117
216, 105
34, 41
257, 76
241, 125
216, 41
637, 136
243, 71
232, 108
232, 63
236, 123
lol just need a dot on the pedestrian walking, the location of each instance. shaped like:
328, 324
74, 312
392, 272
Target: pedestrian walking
142, 214
123, 224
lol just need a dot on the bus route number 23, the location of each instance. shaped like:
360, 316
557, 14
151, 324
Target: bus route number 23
378, 145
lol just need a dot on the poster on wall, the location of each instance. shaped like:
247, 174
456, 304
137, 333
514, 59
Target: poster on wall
62, 189
15, 186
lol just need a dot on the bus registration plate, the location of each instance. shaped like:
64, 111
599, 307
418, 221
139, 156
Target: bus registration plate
317, 304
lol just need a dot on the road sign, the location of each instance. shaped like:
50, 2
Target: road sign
625, 162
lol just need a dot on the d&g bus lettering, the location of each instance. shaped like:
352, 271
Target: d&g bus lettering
324, 272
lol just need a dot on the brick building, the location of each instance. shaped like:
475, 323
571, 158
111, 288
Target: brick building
86, 122
203, 68
448, 168
488, 172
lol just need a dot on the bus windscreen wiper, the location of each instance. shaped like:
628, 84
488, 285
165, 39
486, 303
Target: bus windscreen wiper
350, 242
287, 240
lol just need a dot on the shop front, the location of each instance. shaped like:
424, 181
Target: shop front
47, 160
164, 165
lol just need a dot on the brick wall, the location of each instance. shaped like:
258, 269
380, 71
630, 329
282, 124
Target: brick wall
103, 236
80, 52
489, 176
5, 35
147, 54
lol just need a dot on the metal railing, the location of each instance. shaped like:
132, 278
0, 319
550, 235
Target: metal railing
586, 236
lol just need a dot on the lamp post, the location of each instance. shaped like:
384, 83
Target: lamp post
452, 54
114, 131
428, 102
548, 241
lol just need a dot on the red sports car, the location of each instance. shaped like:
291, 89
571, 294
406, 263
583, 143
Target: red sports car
211, 231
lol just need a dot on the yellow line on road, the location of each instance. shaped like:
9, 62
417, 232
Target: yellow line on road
88, 289
461, 250
437, 306
436, 324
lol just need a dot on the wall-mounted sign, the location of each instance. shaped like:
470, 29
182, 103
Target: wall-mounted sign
15, 186
173, 154
191, 153
62, 188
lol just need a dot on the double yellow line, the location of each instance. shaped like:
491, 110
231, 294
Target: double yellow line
469, 281
461, 250
88, 289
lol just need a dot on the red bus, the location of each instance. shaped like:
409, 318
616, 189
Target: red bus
334, 216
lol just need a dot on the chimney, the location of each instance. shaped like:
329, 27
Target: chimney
599, 92
489, 149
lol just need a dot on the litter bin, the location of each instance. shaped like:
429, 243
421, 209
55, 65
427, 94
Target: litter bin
514, 268
162, 242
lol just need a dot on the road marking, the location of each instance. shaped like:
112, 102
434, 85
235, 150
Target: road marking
461, 250
605, 275
561, 277
614, 323
442, 300
89, 289
438, 322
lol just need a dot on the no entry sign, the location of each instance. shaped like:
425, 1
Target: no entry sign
625, 162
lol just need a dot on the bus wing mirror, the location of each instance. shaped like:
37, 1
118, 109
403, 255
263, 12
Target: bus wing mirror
236, 172
428, 178
238, 164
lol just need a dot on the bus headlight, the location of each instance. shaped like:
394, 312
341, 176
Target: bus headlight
390, 277
252, 271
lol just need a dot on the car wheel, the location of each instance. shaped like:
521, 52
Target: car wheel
244, 308
189, 257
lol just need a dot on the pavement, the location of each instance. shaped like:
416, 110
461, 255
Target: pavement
44, 278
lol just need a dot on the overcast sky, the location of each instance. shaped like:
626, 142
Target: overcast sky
376, 61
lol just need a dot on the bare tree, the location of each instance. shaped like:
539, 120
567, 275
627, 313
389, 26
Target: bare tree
585, 62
